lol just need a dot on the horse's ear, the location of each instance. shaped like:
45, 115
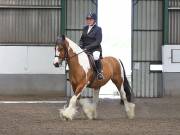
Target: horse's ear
63, 37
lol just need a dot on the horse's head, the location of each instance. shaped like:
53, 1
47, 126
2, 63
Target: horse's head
61, 52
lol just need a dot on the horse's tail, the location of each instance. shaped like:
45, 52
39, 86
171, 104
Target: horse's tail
127, 87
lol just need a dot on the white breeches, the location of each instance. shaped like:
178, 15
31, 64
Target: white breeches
96, 55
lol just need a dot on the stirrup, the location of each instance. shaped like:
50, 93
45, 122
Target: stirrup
100, 76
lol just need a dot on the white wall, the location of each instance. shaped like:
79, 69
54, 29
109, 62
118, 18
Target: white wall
28, 60
171, 58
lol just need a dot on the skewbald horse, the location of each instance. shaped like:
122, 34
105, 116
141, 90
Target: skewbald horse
81, 75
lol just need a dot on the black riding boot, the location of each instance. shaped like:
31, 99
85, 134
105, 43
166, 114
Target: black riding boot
99, 68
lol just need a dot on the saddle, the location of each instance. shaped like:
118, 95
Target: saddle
92, 62
93, 66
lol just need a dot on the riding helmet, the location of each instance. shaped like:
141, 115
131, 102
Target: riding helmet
91, 16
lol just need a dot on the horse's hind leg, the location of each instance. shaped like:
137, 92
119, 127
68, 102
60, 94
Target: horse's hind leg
129, 107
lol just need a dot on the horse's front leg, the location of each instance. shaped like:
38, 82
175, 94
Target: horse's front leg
69, 112
88, 107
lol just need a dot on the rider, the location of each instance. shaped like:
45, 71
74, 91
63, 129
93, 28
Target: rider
90, 41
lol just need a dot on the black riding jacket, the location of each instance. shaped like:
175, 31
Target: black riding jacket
92, 40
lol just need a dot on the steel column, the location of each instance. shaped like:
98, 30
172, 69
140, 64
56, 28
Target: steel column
166, 22
63, 17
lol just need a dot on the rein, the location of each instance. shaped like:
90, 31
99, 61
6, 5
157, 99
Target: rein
75, 55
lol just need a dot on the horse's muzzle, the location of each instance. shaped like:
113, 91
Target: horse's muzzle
56, 65
57, 62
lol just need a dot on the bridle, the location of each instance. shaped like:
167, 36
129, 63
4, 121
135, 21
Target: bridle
65, 57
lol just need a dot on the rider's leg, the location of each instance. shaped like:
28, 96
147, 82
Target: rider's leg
97, 59
99, 69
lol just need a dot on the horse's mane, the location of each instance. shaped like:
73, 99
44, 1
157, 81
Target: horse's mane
76, 49
82, 56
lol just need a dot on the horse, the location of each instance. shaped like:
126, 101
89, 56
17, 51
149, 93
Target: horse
82, 75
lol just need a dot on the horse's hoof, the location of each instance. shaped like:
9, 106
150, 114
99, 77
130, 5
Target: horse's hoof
131, 111
121, 102
62, 116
